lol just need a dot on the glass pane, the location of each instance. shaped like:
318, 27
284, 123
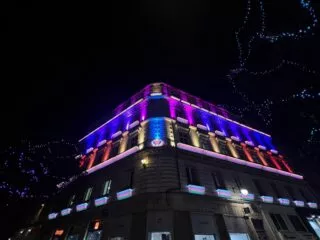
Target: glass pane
315, 227
204, 237
239, 236
96, 235
160, 236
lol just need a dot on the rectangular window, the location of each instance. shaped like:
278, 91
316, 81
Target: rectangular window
204, 237
160, 236
297, 223
278, 221
240, 152
218, 180
87, 194
239, 236
257, 224
258, 186
133, 140
184, 136
115, 149
254, 155
192, 176
275, 190
223, 146
205, 142
106, 187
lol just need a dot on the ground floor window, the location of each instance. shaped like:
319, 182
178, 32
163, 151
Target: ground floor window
239, 236
315, 225
94, 230
116, 238
203, 237
160, 236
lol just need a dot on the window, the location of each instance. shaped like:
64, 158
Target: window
258, 186
290, 191
240, 152
130, 176
71, 200
204, 237
205, 142
239, 236
133, 140
106, 187
87, 194
257, 224
254, 155
115, 149
192, 176
160, 236
298, 226
275, 189
223, 146
218, 180
184, 136
94, 230
278, 221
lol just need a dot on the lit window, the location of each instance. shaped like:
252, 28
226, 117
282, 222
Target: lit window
160, 236
204, 237
239, 236
106, 187
94, 230
87, 194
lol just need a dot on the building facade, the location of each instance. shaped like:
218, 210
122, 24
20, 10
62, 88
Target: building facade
170, 166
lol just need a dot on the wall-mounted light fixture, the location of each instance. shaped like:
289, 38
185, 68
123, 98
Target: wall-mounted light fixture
144, 163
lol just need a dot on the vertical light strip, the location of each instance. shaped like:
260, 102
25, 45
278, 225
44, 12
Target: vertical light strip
285, 164
124, 142
194, 136
213, 142
274, 161
92, 157
232, 149
107, 150
246, 152
260, 155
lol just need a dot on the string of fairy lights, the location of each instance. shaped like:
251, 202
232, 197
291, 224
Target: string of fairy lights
245, 49
32, 162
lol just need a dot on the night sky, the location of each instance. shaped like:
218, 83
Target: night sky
65, 66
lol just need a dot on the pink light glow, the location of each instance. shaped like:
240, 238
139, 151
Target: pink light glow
235, 160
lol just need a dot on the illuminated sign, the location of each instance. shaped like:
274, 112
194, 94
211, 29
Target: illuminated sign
157, 143
65, 212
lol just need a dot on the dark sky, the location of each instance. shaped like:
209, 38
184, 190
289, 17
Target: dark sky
65, 66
